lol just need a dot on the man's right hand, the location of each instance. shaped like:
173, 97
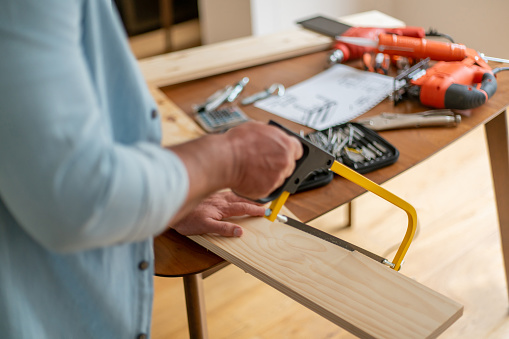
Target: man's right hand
252, 159
263, 157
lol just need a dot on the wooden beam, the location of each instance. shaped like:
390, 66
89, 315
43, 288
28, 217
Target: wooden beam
354, 292
203, 61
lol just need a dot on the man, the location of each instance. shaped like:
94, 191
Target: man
84, 184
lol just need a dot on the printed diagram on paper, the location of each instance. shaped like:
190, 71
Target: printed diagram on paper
337, 95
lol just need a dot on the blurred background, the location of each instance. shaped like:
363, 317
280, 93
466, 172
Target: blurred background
158, 26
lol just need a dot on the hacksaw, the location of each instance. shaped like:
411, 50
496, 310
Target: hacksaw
314, 157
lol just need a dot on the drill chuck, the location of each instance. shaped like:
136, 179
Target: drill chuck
336, 57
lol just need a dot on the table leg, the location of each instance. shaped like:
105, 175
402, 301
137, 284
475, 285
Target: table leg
498, 145
195, 303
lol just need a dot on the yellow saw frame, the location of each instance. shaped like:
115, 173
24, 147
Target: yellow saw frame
315, 157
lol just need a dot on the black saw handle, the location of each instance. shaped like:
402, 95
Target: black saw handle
312, 158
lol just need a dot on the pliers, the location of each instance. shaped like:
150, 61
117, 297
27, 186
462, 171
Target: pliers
376, 62
386, 121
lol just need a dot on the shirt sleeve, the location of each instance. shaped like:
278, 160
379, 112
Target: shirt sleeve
62, 176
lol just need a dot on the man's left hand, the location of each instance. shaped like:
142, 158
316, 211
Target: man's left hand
209, 215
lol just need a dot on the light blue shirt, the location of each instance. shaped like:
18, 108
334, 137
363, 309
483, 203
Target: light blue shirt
84, 184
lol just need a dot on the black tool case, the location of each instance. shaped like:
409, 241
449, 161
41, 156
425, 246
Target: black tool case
364, 150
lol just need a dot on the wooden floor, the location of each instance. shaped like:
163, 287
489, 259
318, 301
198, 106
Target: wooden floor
456, 252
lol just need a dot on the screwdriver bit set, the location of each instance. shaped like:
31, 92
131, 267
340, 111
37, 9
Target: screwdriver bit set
355, 146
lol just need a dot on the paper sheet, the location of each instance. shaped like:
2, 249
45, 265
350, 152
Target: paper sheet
337, 95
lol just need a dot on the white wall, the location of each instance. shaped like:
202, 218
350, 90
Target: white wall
228, 19
482, 25
275, 15
224, 20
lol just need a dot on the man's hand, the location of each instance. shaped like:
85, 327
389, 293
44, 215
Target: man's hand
252, 159
263, 157
209, 215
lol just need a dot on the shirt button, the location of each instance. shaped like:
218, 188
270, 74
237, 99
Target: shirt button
153, 114
142, 336
143, 265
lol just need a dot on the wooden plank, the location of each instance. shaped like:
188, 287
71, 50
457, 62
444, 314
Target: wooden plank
347, 288
203, 61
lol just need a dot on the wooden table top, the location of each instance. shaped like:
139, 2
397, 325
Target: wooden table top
414, 145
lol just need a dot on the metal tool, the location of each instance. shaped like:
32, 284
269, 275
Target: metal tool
222, 119
376, 62
487, 58
330, 238
386, 121
227, 94
355, 146
314, 157
274, 89
402, 83
237, 89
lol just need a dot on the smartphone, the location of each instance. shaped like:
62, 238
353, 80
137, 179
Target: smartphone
325, 26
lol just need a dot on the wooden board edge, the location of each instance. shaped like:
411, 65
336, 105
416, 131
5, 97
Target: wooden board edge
448, 323
312, 305
450, 309
281, 287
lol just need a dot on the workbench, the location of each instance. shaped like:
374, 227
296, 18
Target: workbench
178, 256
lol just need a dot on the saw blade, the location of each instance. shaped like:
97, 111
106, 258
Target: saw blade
330, 238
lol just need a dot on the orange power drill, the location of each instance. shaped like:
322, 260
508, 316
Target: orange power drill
460, 80
344, 51
456, 85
